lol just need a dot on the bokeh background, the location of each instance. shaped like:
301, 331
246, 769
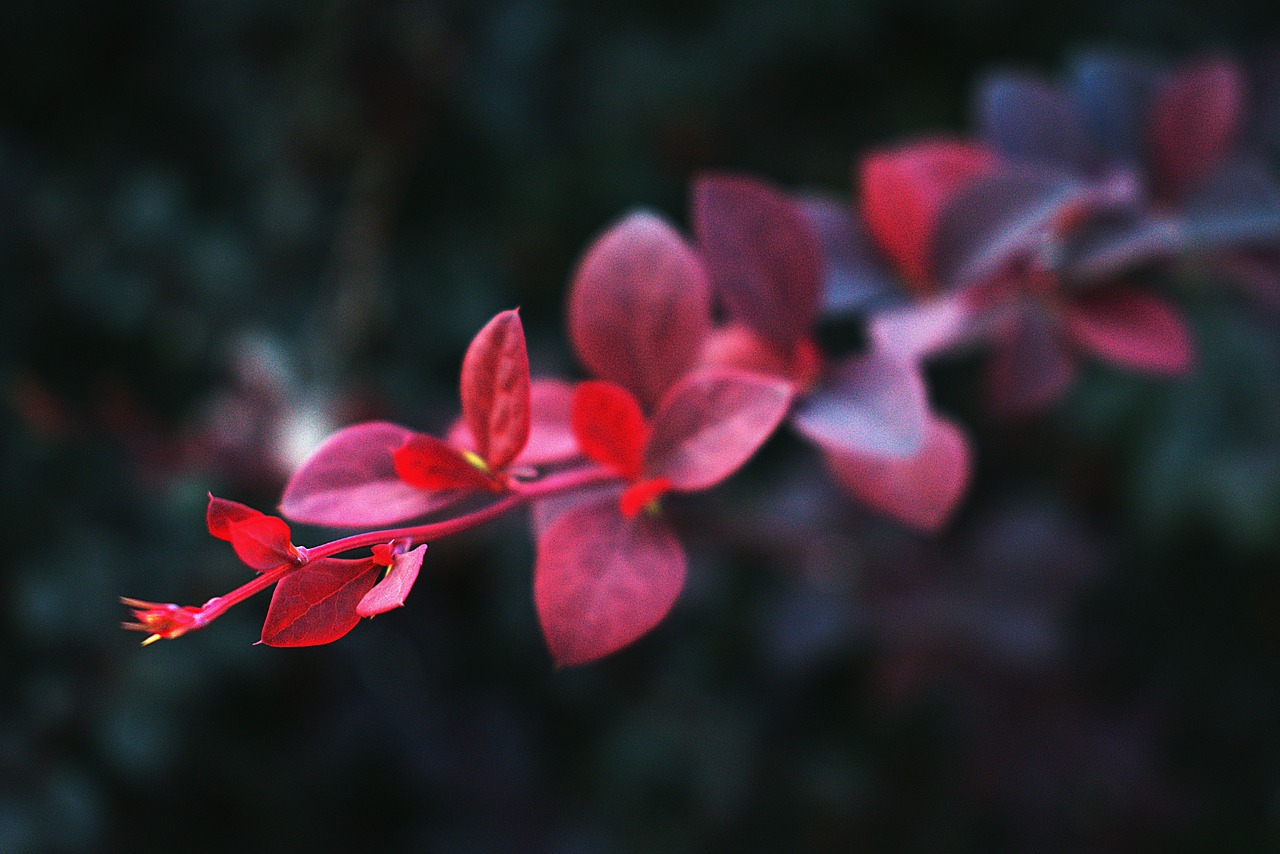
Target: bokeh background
228, 227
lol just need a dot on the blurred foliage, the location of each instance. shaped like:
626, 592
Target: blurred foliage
227, 227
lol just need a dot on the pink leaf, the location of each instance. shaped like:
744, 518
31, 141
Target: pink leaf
923, 490
875, 404
495, 390
1133, 329
603, 581
545, 511
922, 329
316, 603
262, 542
436, 466
221, 515
711, 424
763, 255
640, 306
351, 482
610, 427
904, 190
550, 426
391, 591
1032, 367
1195, 120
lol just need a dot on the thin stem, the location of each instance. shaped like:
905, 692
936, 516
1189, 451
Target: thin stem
215, 607
522, 494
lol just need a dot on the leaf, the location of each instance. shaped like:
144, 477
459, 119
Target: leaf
495, 390
923, 490
316, 604
856, 276
262, 542
1195, 119
996, 220
350, 481
221, 515
1133, 329
436, 466
875, 404
610, 427
762, 254
545, 511
640, 306
602, 581
922, 329
904, 191
1027, 119
390, 592
1114, 93
711, 424
551, 437
1032, 367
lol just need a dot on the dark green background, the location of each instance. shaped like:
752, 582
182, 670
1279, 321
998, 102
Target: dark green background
223, 222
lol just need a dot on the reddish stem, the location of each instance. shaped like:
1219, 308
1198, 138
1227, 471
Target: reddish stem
521, 494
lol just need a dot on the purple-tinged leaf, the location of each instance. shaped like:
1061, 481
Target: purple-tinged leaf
262, 542
875, 404
711, 423
920, 330
1134, 329
1196, 117
921, 490
392, 590
640, 306
762, 254
1114, 94
602, 581
1028, 120
316, 604
495, 390
856, 276
350, 481
1032, 367
996, 221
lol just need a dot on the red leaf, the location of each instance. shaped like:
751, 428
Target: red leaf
262, 542
711, 424
905, 189
1133, 329
551, 437
922, 491
602, 581
1195, 120
434, 465
221, 515
610, 427
642, 494
495, 390
763, 255
391, 591
1032, 367
316, 603
351, 482
875, 404
640, 306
